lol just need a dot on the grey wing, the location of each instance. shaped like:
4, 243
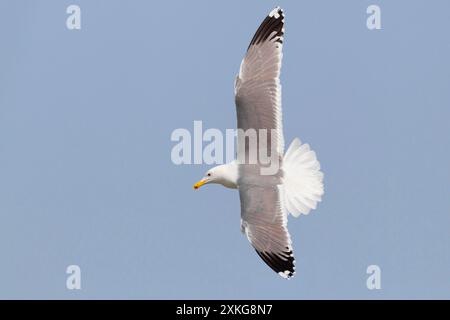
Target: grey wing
257, 87
264, 221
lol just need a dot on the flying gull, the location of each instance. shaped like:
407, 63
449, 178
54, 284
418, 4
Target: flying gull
296, 186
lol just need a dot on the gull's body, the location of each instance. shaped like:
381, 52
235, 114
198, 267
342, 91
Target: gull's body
296, 187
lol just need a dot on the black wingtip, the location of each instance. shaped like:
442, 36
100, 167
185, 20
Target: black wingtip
274, 22
283, 264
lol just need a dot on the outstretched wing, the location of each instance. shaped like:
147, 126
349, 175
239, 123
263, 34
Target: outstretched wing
258, 106
257, 87
264, 221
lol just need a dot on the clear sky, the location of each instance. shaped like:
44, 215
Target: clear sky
86, 176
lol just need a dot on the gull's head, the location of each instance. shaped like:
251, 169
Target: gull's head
225, 174
211, 176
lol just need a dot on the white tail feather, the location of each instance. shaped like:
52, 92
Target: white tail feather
303, 180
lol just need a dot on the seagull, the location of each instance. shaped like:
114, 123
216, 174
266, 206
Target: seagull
297, 185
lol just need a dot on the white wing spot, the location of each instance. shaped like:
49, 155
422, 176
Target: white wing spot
284, 274
274, 13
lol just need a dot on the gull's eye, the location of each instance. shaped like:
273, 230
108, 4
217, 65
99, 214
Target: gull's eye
209, 174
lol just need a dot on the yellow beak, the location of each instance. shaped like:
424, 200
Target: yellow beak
200, 183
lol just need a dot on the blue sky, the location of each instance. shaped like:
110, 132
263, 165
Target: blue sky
86, 176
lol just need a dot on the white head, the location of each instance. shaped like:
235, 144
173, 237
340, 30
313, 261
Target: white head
225, 174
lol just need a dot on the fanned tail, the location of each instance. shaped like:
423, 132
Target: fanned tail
303, 180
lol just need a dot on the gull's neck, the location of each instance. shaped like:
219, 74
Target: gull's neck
228, 174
